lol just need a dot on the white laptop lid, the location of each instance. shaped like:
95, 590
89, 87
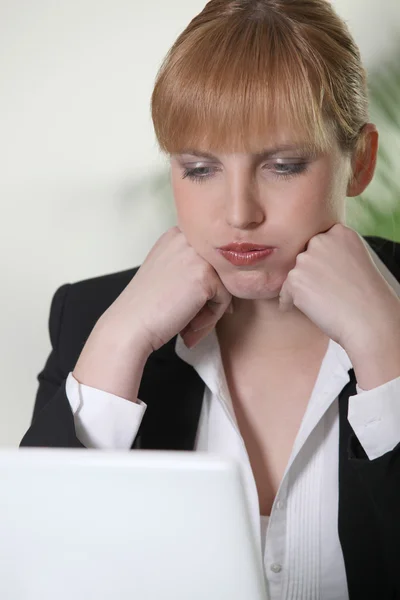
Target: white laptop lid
112, 525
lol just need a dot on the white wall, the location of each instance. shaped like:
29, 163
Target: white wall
76, 149
374, 24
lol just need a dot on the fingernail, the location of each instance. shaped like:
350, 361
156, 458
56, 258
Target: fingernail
185, 342
203, 327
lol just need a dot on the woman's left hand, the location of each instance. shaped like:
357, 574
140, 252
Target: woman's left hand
337, 285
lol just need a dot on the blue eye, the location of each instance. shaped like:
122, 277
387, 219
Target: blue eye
200, 174
193, 174
290, 170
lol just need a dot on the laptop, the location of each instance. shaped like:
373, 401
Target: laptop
79, 524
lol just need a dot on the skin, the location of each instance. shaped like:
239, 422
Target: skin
241, 198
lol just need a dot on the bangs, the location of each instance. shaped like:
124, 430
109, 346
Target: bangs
231, 88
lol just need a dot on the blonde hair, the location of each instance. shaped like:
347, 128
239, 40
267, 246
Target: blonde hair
243, 68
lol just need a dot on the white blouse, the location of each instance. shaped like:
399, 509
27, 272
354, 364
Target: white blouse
299, 541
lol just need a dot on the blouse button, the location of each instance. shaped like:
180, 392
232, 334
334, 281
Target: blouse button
276, 568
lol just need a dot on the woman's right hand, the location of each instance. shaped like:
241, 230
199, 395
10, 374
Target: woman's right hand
174, 291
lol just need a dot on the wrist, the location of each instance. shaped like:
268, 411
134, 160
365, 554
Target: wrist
122, 338
377, 360
112, 361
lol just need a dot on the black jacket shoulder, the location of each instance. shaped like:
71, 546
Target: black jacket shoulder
75, 310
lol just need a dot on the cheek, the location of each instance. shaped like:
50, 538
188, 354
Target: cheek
188, 205
321, 196
181, 200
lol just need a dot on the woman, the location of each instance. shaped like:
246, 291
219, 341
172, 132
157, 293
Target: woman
259, 327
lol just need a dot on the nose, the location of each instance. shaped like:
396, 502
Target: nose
243, 208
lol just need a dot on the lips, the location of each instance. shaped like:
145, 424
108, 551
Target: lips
241, 247
246, 259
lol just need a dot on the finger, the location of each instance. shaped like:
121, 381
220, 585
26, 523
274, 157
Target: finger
220, 301
285, 298
191, 338
183, 331
205, 317
209, 315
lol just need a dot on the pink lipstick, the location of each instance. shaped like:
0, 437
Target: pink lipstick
245, 253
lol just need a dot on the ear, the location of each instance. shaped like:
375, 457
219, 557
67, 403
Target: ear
363, 162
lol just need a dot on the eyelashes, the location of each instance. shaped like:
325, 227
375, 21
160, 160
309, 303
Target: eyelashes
202, 174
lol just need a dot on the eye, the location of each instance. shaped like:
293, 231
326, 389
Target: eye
279, 171
288, 170
198, 174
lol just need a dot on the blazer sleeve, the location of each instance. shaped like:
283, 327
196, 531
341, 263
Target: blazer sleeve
381, 480
52, 421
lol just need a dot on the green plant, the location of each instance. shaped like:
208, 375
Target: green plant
377, 210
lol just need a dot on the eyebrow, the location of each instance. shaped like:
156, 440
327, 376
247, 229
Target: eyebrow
258, 156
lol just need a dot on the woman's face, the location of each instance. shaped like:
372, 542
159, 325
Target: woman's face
281, 199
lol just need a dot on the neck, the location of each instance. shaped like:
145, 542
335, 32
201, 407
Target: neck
259, 326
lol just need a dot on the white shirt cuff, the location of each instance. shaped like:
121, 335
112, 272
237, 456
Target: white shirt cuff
103, 420
375, 417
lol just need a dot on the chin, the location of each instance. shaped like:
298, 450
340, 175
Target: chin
252, 285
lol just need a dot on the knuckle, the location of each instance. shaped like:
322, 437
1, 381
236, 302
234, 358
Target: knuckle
293, 277
314, 241
352, 234
301, 258
172, 232
204, 274
340, 228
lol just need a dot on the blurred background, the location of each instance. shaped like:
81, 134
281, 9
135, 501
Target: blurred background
84, 190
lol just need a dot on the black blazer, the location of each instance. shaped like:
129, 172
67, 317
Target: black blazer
369, 491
